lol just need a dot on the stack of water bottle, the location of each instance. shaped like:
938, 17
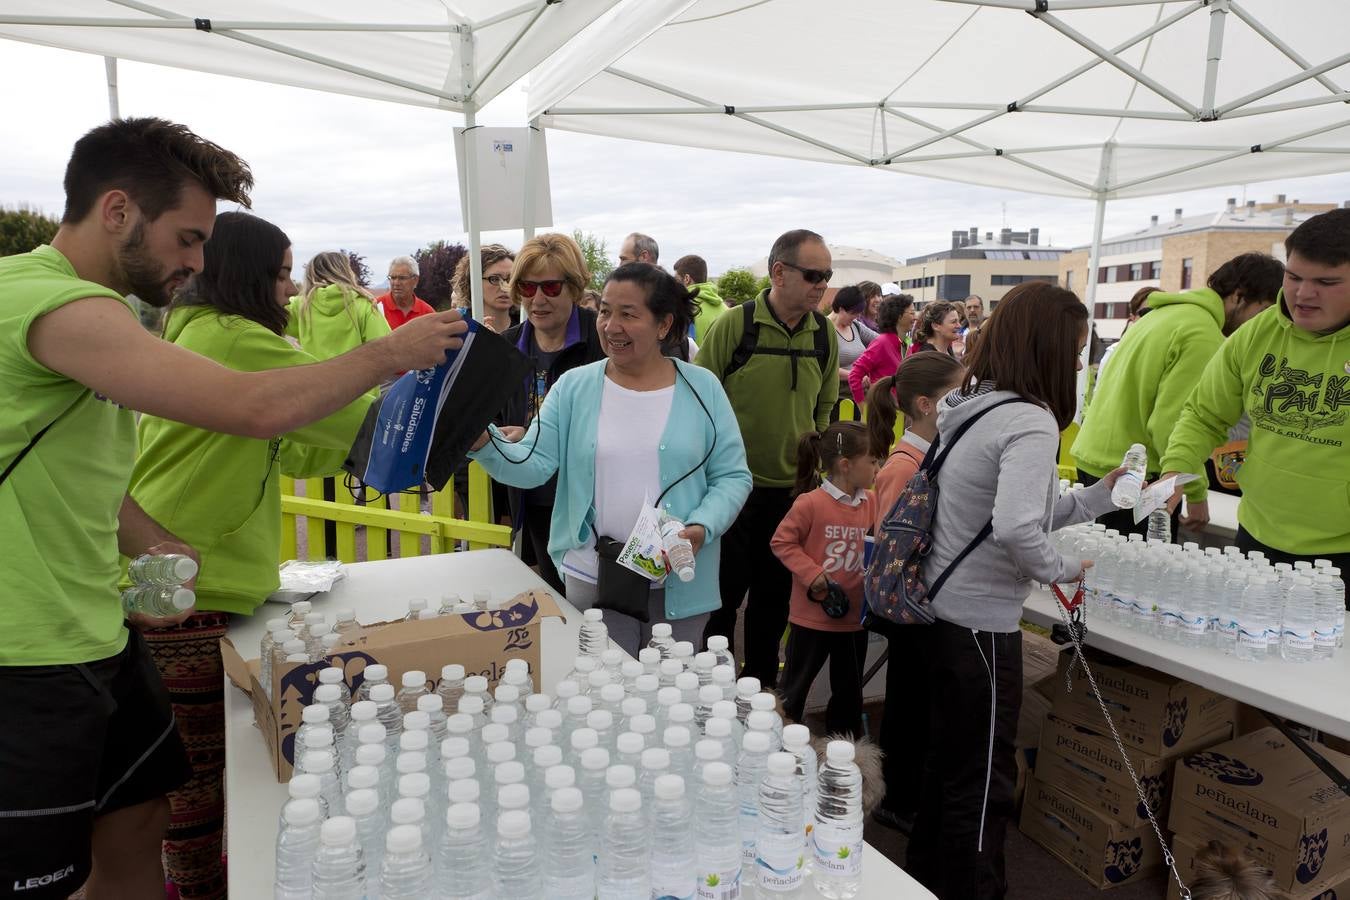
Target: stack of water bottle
157, 585
1238, 603
657, 777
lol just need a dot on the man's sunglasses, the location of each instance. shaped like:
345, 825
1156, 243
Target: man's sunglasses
814, 276
551, 288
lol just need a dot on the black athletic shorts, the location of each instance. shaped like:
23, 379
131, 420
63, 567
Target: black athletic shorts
76, 742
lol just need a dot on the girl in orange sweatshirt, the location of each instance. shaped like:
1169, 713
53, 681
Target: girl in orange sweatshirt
820, 542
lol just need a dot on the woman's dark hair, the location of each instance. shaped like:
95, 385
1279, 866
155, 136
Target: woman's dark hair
1140, 298
1254, 277
665, 297
817, 452
1030, 346
239, 274
1323, 239
932, 316
869, 289
891, 311
924, 374
849, 299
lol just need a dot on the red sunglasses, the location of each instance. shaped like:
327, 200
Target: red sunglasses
551, 288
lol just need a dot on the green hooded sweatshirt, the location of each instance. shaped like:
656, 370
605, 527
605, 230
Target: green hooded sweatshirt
710, 306
1152, 372
1294, 385
221, 493
334, 321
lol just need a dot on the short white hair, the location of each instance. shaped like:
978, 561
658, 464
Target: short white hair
405, 261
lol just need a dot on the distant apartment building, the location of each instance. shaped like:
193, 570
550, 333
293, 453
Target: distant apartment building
1180, 254
989, 267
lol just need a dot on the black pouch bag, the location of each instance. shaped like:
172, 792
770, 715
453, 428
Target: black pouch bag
619, 588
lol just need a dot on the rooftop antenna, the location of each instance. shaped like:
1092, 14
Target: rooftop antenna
1005, 214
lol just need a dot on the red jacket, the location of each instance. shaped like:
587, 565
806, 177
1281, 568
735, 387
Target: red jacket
824, 534
395, 316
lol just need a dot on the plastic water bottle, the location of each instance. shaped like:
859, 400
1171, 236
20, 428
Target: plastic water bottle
655, 763
674, 861
1230, 608
477, 686
720, 647
1172, 595
516, 866
1330, 605
625, 850
339, 865
305, 787
594, 636
578, 708
314, 627
334, 676
1300, 615
297, 845
662, 641
1125, 495
157, 601
746, 688
414, 686
797, 741
1160, 525
764, 720
461, 870
718, 835
719, 730
666, 699
1254, 621
676, 741
407, 871
679, 551
557, 778
521, 666
724, 677
611, 699
750, 769
650, 658
168, 570
276, 631
569, 855
374, 675
345, 623
706, 752
780, 845
388, 713
838, 832
451, 686
363, 806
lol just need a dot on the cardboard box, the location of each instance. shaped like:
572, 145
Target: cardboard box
483, 642
1087, 765
1101, 850
1184, 849
1156, 713
1260, 792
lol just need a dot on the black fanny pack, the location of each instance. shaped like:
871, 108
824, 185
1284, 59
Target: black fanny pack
618, 587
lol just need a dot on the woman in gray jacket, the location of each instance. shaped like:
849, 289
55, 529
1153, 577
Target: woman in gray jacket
1001, 475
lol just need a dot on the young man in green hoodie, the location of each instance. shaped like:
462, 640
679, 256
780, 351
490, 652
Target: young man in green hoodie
1157, 364
693, 273
1288, 369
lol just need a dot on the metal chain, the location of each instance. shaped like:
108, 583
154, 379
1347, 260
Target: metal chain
1081, 659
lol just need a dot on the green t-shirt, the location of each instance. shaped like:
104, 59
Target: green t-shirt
58, 509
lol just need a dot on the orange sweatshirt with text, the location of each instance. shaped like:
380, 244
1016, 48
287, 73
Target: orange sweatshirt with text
822, 534
894, 477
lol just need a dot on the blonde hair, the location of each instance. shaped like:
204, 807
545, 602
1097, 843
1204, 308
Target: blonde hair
552, 249
1223, 873
328, 268
459, 282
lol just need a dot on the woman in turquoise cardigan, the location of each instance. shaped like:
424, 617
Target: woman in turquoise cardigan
622, 432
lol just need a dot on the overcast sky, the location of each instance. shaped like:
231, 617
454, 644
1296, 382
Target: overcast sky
379, 178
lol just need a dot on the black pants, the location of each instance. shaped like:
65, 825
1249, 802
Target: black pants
534, 525
1122, 520
904, 723
748, 564
807, 651
965, 803
1245, 542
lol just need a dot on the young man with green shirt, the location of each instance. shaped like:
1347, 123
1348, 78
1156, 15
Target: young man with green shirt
693, 273
781, 387
89, 744
1288, 369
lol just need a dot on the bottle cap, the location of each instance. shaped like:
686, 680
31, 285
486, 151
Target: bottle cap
717, 774
613, 694
382, 692
431, 704
649, 656
765, 701
747, 686
566, 689
595, 758
709, 694
317, 762
301, 812
668, 696
598, 679
708, 751
361, 802
718, 642
632, 706
631, 669
452, 672
661, 630
408, 763
495, 733
425, 614
612, 658
463, 790
656, 758
417, 604
476, 684
559, 777
839, 751
682, 650
346, 614
293, 646
669, 787
314, 714
413, 741
281, 636
566, 800
416, 720
578, 706
364, 711
796, 736
671, 667
705, 660
362, 777
370, 754
585, 664
459, 724
414, 784
717, 728
303, 785
675, 737
647, 684
331, 675
781, 763
403, 839
472, 704
625, 800
506, 716
371, 733
314, 618
756, 742
459, 767
547, 756
500, 752
320, 737
513, 823
507, 693
277, 624
517, 665
550, 719
593, 615
509, 772
630, 742
537, 737
407, 811
724, 709
643, 724
600, 719
620, 776
537, 703
686, 681
760, 720
682, 713
513, 796
462, 815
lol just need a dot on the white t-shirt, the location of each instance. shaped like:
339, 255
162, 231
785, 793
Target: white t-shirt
627, 466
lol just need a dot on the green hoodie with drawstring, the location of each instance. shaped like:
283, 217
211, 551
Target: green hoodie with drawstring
1153, 371
710, 306
221, 493
1294, 385
334, 321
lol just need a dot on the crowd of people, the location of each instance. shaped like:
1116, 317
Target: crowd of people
652, 394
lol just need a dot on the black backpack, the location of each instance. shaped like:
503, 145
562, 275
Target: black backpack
749, 345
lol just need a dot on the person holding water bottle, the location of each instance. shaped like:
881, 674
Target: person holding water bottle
820, 541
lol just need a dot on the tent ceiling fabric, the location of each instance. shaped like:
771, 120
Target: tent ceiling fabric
927, 85
420, 66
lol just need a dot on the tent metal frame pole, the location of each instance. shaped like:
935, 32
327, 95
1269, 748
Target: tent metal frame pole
188, 24
470, 163
114, 101
1283, 83
714, 110
472, 90
1218, 15
533, 138
504, 16
1094, 263
1271, 38
1029, 7
1342, 97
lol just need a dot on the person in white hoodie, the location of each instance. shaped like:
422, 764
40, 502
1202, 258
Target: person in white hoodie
1002, 433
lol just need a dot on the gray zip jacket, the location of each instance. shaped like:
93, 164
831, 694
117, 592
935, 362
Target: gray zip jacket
1004, 466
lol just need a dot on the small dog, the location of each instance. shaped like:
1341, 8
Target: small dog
867, 756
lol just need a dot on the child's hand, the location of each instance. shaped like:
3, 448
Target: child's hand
817, 589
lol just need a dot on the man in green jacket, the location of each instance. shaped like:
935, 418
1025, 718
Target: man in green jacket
1157, 364
781, 375
693, 273
1288, 370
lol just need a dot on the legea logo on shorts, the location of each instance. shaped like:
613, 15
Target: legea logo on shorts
43, 880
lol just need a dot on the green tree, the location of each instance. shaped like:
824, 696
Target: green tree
597, 258
737, 286
359, 267
23, 228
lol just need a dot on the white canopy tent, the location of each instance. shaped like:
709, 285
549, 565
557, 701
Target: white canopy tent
1095, 99
455, 55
